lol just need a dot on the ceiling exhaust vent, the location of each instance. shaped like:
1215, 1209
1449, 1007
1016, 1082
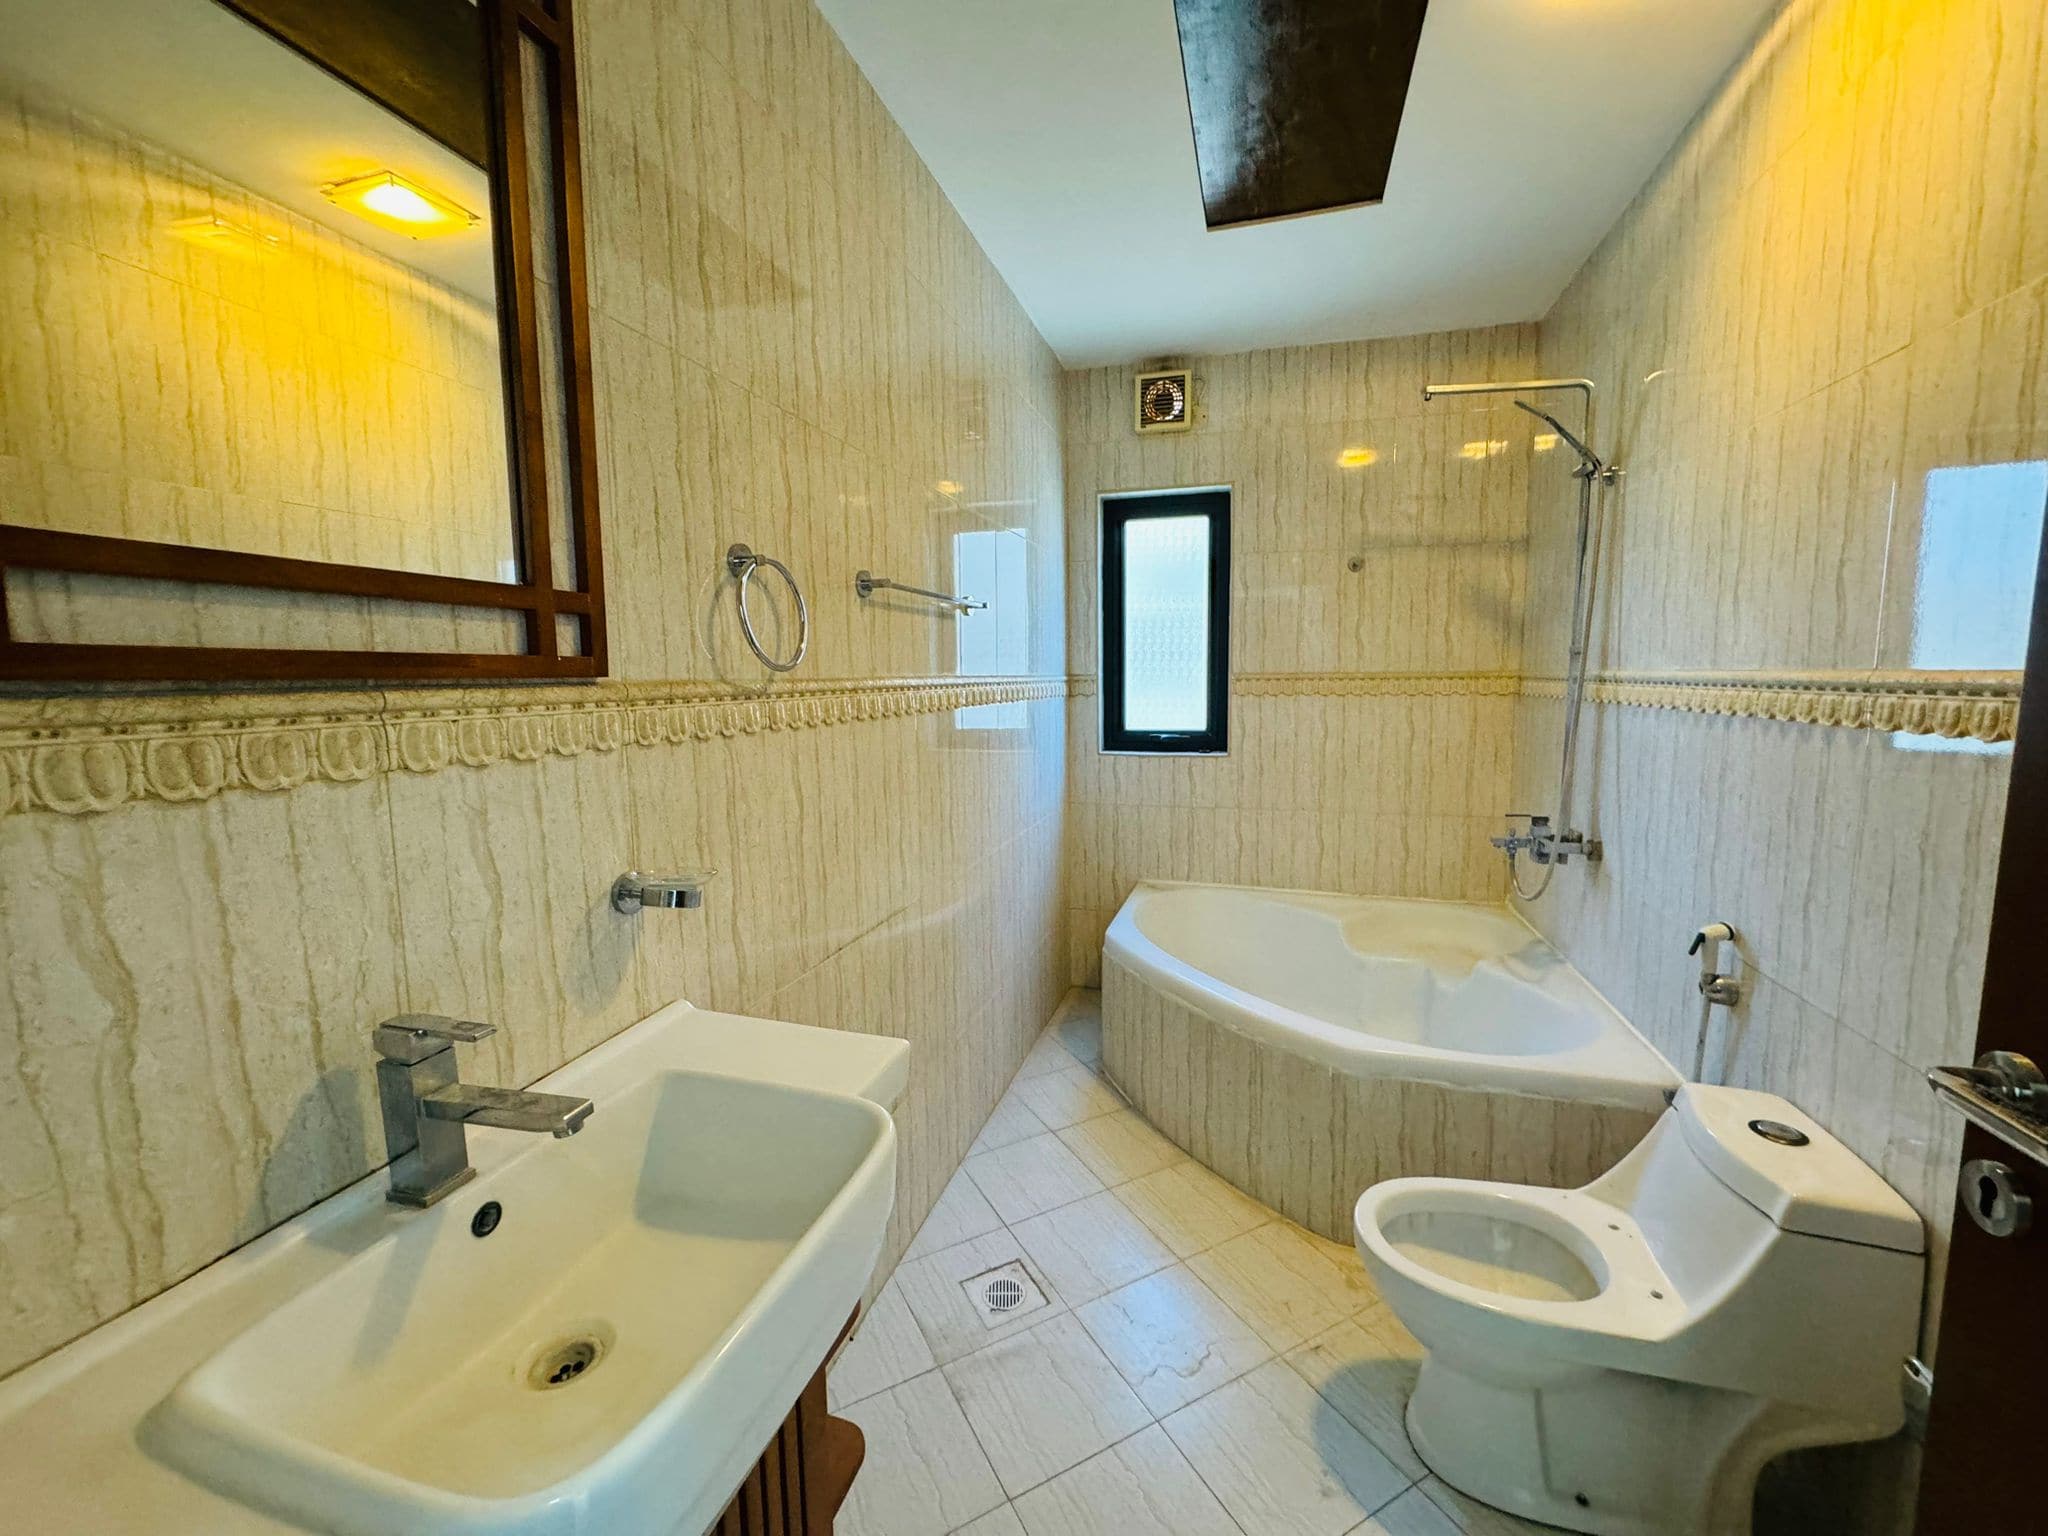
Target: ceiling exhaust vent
1165, 401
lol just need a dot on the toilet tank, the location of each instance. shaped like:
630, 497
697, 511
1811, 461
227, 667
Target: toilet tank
1782, 1162
1711, 1194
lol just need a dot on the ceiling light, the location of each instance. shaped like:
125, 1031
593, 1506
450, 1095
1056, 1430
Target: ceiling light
224, 235
1358, 458
389, 199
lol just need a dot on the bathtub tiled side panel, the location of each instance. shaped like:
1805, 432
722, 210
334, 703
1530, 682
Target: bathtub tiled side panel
1308, 1140
1394, 1127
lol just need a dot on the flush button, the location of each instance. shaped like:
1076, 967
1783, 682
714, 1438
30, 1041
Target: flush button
1776, 1130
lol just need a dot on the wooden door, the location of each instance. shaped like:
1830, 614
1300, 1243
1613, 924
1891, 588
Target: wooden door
1983, 1465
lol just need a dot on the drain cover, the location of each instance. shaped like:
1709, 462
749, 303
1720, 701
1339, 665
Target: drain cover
1003, 1293
565, 1361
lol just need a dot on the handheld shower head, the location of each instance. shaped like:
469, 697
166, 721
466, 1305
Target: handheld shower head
1589, 461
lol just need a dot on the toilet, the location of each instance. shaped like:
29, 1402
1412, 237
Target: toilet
1623, 1359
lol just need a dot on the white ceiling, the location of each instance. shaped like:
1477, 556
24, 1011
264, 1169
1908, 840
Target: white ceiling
1059, 129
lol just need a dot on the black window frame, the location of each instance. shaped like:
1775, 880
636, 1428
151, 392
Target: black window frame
1119, 511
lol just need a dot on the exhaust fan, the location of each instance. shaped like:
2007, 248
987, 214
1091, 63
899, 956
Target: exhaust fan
1165, 401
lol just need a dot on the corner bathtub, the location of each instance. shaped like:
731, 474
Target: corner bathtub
1306, 1046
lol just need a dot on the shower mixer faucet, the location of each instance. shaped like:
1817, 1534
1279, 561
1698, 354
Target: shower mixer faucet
1543, 846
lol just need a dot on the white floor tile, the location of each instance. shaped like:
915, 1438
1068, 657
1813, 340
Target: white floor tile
1032, 1176
886, 1351
1010, 1121
1365, 1369
945, 1315
1190, 1209
1079, 1027
1476, 1519
1142, 1486
1069, 1096
1091, 1247
925, 1474
961, 1212
1048, 1055
1044, 1401
1120, 1147
1282, 1282
997, 1522
1283, 1461
1410, 1515
1172, 1339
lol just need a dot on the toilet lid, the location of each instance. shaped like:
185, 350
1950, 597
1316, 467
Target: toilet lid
1817, 1186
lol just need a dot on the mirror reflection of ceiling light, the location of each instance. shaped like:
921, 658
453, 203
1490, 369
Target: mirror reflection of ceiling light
1358, 458
949, 487
215, 233
1545, 441
389, 199
1491, 448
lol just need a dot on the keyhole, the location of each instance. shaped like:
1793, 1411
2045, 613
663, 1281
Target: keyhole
1987, 1197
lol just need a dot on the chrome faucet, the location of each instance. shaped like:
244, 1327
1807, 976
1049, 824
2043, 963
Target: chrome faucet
426, 1106
1544, 846
633, 891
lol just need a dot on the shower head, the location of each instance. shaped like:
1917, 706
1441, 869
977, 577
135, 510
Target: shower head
1590, 466
1589, 461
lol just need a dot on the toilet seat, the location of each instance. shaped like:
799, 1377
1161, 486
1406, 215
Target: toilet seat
1634, 1300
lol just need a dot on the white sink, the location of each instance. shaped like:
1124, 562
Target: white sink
657, 1288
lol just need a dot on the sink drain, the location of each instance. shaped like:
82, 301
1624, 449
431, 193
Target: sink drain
565, 1361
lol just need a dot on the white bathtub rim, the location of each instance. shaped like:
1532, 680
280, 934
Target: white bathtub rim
1577, 1075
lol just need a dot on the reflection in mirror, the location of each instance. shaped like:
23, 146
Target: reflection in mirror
993, 565
1973, 577
243, 306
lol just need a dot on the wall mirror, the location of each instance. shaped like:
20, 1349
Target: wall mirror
294, 369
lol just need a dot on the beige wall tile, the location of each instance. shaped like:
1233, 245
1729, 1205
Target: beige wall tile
1326, 792
1832, 289
795, 343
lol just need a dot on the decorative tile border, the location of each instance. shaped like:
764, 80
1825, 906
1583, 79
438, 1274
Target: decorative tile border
1978, 706
80, 757
1353, 685
1376, 685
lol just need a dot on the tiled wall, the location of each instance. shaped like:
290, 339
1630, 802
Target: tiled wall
1837, 283
1371, 708
797, 344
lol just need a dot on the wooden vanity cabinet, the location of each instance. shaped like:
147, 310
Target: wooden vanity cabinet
804, 1475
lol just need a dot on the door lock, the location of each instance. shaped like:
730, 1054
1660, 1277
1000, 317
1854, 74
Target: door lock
1991, 1192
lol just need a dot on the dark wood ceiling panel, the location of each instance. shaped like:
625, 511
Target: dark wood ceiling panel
1296, 103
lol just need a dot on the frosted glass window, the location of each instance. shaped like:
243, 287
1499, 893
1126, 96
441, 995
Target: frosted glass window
1166, 621
1166, 624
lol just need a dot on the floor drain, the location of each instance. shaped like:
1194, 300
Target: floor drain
561, 1363
1003, 1293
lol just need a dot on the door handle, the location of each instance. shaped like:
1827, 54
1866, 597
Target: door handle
2005, 1094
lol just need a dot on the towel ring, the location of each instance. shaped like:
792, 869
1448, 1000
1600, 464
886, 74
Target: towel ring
742, 562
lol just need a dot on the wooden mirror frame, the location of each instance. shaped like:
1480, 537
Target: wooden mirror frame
497, 29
